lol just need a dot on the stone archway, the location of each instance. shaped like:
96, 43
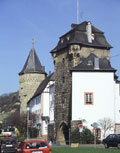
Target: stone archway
63, 134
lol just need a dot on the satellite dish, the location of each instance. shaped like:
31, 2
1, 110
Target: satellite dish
95, 125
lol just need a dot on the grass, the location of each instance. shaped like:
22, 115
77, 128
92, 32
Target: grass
83, 150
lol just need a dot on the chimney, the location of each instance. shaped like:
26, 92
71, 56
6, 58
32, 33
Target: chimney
89, 32
96, 63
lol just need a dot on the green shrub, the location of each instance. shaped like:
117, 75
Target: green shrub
85, 137
33, 132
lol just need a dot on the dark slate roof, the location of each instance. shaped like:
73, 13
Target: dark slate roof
88, 64
78, 35
32, 64
43, 85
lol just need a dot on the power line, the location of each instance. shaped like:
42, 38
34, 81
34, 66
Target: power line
115, 55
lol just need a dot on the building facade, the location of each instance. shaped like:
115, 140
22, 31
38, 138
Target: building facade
94, 94
84, 83
42, 106
82, 40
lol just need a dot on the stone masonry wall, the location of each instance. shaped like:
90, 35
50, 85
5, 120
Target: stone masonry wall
28, 83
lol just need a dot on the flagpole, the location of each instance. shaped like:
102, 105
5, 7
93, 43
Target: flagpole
77, 11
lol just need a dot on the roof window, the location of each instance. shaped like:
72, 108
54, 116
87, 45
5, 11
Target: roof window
68, 37
90, 62
62, 40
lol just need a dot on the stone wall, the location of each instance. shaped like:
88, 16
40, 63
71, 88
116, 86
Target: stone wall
28, 84
62, 89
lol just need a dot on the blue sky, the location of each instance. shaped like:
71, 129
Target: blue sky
46, 21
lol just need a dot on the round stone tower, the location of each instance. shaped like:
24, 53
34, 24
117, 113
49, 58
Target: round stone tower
30, 77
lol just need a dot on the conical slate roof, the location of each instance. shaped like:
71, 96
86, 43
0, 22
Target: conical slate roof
32, 64
78, 35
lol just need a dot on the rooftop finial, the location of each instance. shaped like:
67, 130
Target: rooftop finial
33, 43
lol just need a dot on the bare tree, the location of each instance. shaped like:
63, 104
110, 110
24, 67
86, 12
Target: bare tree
33, 118
105, 124
18, 121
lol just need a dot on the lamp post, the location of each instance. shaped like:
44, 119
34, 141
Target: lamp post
28, 122
39, 129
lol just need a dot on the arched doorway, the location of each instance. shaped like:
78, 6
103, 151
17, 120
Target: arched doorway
63, 134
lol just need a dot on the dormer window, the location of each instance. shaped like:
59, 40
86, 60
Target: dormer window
62, 40
68, 37
93, 36
90, 62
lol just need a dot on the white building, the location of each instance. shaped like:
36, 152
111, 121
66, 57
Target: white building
42, 105
94, 85
95, 93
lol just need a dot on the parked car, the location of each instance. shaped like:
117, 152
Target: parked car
34, 146
112, 140
8, 144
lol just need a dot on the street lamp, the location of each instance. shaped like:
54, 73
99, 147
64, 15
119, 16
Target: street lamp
39, 129
28, 122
